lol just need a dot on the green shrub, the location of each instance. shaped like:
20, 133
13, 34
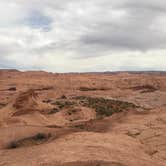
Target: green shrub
105, 107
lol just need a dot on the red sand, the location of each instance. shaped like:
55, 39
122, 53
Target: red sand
41, 103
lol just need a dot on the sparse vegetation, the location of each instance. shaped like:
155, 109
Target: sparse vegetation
53, 111
47, 101
72, 111
37, 139
105, 107
13, 145
87, 89
40, 136
45, 88
144, 88
62, 104
12, 89
80, 126
63, 97
92, 89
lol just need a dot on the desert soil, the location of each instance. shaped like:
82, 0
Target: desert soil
90, 119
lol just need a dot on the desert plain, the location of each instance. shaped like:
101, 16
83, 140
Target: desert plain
82, 119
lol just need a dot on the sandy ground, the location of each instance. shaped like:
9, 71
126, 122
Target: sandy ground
97, 119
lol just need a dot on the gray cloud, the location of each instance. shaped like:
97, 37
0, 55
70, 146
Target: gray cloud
62, 32
136, 30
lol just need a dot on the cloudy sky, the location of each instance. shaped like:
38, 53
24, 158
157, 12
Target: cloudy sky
83, 35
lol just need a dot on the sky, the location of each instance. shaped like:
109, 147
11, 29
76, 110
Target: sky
83, 35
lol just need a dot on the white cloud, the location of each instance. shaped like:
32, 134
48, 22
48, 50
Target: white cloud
76, 35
